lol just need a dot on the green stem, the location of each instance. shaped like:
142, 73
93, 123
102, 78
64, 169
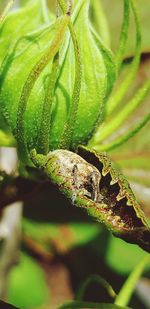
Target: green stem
78, 305
67, 135
123, 139
45, 12
44, 131
101, 21
98, 279
6, 9
62, 25
117, 97
116, 122
127, 290
123, 35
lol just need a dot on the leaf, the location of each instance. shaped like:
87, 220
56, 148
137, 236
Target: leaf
22, 21
133, 156
109, 61
24, 289
124, 295
114, 187
5, 305
6, 139
125, 262
91, 180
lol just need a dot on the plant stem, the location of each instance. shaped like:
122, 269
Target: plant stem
121, 140
123, 35
71, 119
129, 108
117, 97
78, 305
98, 279
31, 79
125, 294
6, 9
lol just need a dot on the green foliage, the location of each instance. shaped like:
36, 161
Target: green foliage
126, 262
27, 278
118, 209
124, 295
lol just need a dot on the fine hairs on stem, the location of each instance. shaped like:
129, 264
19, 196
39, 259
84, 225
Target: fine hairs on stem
71, 119
49, 54
116, 98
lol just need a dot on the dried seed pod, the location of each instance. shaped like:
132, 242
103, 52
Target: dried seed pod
93, 182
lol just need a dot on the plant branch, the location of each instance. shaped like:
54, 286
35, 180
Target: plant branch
14, 189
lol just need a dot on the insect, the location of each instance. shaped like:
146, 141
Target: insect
43, 113
92, 181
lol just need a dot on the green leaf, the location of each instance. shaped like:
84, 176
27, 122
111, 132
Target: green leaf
125, 262
125, 294
22, 21
6, 140
109, 60
18, 63
5, 305
24, 289
92, 181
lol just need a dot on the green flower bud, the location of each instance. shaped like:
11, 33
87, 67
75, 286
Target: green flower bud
25, 43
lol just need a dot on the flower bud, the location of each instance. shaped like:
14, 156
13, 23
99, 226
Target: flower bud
26, 49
